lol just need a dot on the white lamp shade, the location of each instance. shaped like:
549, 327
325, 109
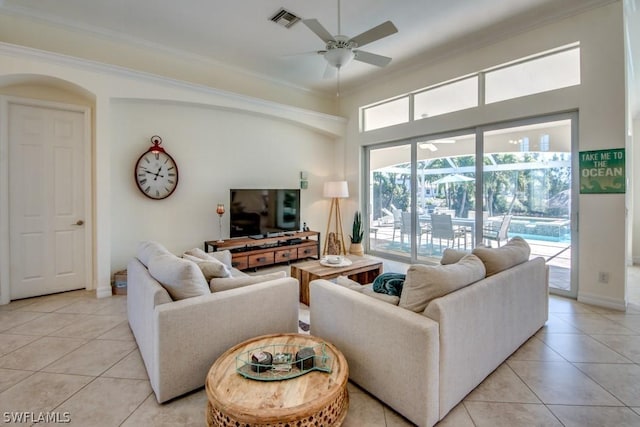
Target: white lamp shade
336, 189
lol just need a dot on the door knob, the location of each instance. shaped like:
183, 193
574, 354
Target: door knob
79, 222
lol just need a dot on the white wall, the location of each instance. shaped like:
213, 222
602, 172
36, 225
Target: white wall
128, 108
600, 101
215, 150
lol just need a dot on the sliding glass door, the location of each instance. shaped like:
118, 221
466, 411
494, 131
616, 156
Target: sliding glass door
424, 194
527, 187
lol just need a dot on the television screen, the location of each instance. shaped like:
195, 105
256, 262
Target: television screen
256, 212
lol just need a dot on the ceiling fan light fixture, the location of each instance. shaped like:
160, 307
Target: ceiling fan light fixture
339, 57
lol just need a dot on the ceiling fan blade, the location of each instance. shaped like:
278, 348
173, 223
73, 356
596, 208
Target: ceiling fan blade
371, 58
330, 72
315, 26
376, 33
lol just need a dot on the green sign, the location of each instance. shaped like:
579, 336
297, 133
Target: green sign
602, 171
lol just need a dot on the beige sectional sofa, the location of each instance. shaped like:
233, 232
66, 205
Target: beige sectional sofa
180, 340
423, 363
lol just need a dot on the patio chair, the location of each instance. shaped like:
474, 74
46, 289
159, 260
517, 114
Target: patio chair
397, 222
406, 228
497, 233
442, 228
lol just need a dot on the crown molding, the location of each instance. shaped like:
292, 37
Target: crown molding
260, 106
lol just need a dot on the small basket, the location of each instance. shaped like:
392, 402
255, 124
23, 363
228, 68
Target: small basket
287, 367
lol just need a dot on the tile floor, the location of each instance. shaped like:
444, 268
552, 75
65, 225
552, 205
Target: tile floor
73, 355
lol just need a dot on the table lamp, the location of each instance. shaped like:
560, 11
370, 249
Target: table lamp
335, 190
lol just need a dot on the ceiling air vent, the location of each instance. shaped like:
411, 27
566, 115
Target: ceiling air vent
285, 18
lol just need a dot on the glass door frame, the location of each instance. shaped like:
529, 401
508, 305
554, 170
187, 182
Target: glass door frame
479, 132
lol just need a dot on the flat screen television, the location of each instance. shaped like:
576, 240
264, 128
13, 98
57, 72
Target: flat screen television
259, 212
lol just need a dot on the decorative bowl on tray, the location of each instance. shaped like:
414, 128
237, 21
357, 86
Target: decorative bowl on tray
282, 361
335, 261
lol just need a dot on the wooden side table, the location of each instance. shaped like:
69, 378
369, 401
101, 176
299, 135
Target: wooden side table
362, 269
315, 398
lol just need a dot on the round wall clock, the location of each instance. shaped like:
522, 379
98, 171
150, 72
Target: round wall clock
156, 172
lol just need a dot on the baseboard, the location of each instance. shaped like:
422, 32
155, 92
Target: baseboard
103, 292
600, 301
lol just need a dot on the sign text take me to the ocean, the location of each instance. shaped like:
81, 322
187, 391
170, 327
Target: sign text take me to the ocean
602, 171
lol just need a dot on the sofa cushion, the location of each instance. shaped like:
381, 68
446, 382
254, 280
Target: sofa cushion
451, 256
495, 260
427, 282
391, 299
210, 267
224, 284
349, 284
180, 277
222, 256
148, 250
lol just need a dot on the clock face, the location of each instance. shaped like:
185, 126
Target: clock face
156, 174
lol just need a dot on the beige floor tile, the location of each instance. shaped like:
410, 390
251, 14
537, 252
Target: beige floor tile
92, 358
9, 342
582, 348
106, 402
503, 385
536, 349
555, 325
364, 410
628, 346
566, 305
50, 303
188, 410
18, 304
132, 366
39, 353
595, 416
561, 383
457, 417
595, 324
510, 415
11, 319
47, 324
41, 391
92, 327
120, 332
630, 321
91, 305
393, 419
623, 381
10, 377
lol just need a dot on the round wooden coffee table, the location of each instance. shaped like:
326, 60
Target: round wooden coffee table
315, 398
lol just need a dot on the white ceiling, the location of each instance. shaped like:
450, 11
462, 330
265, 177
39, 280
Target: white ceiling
239, 33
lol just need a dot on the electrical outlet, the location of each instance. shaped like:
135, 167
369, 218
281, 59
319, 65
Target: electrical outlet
603, 277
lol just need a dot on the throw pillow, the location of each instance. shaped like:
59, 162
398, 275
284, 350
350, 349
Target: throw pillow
349, 284
210, 267
495, 260
427, 282
180, 277
148, 250
222, 256
451, 256
198, 253
224, 284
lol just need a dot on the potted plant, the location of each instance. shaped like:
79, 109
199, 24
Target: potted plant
356, 236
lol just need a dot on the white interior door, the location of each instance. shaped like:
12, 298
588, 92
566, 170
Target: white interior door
46, 200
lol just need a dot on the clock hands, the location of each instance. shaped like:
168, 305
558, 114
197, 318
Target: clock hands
156, 174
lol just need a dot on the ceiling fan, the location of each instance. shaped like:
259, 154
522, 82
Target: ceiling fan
341, 50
